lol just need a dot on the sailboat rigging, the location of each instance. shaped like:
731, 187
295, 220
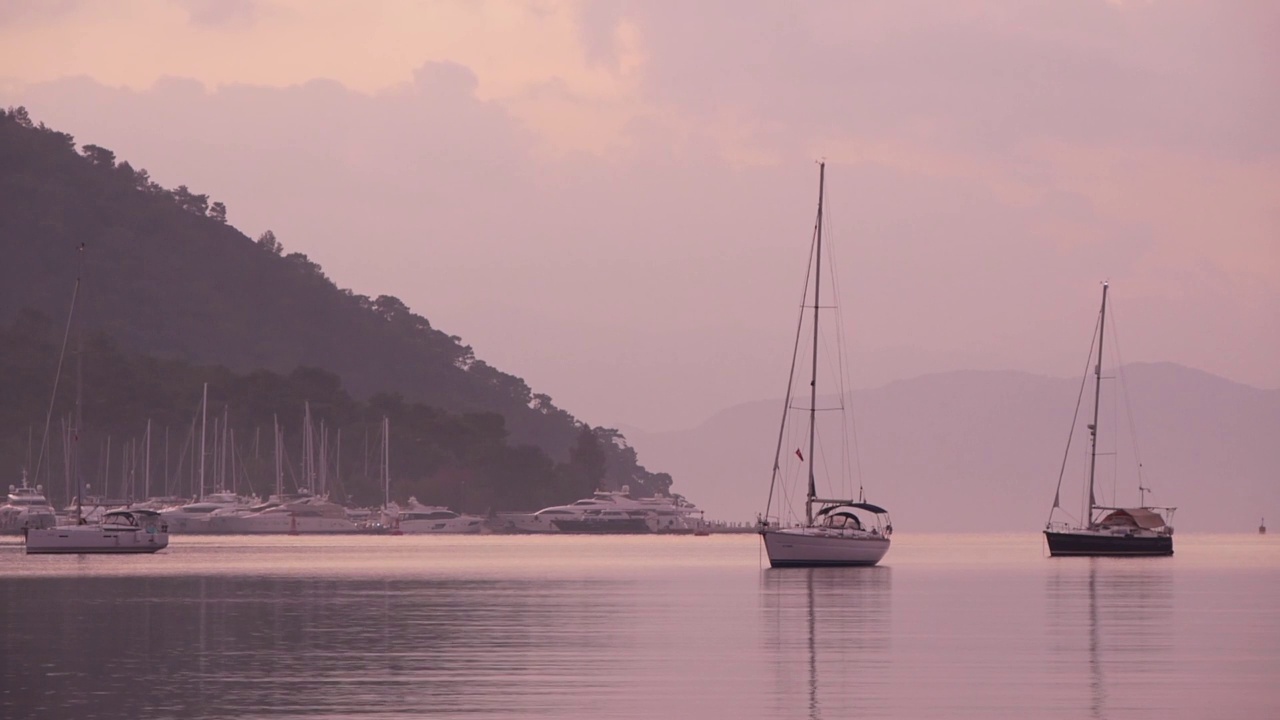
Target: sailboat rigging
1104, 530
834, 534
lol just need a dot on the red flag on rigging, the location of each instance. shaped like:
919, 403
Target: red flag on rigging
799, 455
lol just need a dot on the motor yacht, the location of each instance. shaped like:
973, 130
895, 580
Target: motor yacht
27, 509
417, 518
193, 518
610, 512
293, 515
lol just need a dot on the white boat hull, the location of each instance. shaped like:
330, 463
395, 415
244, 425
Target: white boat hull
14, 520
283, 524
525, 523
817, 547
463, 525
77, 539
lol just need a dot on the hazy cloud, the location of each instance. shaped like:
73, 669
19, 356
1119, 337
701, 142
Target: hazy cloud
989, 165
984, 75
16, 13
221, 14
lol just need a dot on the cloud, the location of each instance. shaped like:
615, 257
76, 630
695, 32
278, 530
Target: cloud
31, 12
446, 78
989, 164
985, 76
221, 14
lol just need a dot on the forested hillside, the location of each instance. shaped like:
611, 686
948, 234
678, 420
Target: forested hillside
169, 284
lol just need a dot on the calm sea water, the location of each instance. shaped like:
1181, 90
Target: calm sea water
950, 626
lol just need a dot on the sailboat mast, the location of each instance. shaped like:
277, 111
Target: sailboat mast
79, 420
813, 381
275, 422
204, 421
1097, 395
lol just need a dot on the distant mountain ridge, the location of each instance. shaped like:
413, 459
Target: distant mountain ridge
982, 450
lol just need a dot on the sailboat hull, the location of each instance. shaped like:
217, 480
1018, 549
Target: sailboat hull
1089, 544
810, 547
83, 539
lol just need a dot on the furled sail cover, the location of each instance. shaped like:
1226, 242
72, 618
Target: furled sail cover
861, 506
1141, 517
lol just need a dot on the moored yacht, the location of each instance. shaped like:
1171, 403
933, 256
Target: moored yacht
303, 514
417, 518
117, 531
194, 517
1125, 531
616, 521
832, 533
610, 512
27, 509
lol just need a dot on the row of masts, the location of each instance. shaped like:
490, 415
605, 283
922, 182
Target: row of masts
209, 460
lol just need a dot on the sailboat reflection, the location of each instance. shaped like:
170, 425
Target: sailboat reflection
831, 619
1123, 609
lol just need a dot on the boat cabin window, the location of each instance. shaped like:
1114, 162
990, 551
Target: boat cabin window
841, 521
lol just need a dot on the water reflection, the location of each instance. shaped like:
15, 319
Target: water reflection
228, 647
1110, 629
827, 630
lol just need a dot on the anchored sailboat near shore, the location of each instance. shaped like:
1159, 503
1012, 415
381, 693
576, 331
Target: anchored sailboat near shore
118, 531
834, 530
1104, 530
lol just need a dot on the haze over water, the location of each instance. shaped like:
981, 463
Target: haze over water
522, 626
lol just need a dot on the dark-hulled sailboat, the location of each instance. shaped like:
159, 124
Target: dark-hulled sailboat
1143, 530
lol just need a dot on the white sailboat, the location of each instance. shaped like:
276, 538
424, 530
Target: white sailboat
835, 531
117, 531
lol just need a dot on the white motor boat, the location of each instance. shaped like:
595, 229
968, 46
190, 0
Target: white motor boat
119, 531
297, 515
27, 509
671, 514
421, 519
610, 512
193, 518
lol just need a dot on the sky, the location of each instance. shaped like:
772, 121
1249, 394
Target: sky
614, 200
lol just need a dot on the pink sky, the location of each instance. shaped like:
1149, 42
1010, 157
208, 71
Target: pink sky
613, 200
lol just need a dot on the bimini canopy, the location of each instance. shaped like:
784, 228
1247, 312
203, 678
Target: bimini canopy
1136, 517
140, 513
860, 506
